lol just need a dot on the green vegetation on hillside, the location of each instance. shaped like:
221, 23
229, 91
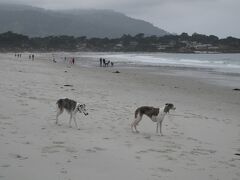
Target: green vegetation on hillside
183, 43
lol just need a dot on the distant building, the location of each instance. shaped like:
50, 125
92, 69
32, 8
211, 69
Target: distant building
202, 46
119, 45
133, 43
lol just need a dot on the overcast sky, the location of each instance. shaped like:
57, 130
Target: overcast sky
218, 17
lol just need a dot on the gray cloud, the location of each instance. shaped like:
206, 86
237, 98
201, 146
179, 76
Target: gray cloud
219, 17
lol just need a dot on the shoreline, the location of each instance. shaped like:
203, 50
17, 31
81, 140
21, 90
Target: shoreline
207, 74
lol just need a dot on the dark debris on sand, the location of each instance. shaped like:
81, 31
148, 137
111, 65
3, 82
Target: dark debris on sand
236, 89
68, 85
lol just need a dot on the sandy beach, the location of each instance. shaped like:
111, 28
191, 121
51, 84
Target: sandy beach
200, 142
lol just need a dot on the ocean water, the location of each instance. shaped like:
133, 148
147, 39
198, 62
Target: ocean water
229, 63
220, 69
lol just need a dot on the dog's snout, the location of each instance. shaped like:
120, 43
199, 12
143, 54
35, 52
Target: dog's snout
86, 114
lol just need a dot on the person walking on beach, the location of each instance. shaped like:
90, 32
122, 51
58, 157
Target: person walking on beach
100, 62
73, 60
32, 57
104, 62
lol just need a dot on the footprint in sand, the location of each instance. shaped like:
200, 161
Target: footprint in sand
70, 150
57, 147
58, 142
194, 140
4, 117
198, 151
147, 137
5, 165
17, 156
228, 164
138, 157
64, 171
14, 132
128, 143
52, 149
27, 143
157, 151
106, 138
91, 150
157, 176
99, 148
227, 121
95, 149
142, 151
191, 164
165, 169
7, 123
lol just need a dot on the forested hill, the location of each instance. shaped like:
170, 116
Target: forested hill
38, 22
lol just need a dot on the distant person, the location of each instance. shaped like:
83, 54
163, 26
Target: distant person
112, 64
32, 56
65, 59
104, 62
100, 60
73, 60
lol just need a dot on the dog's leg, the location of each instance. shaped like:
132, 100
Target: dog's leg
70, 120
59, 112
157, 127
75, 121
133, 124
161, 127
136, 122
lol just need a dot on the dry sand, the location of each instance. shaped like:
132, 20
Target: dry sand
200, 138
